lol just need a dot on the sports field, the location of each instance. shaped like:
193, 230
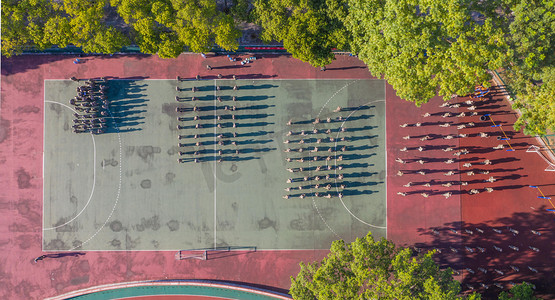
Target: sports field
272, 164
126, 190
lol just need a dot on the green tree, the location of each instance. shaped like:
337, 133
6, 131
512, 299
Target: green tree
23, 25
523, 291
57, 31
309, 30
532, 36
241, 10
369, 269
531, 70
166, 27
43, 23
88, 30
426, 47
536, 103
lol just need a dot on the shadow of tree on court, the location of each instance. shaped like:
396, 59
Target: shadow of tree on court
23, 63
499, 252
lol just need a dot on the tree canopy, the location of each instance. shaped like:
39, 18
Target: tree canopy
24, 23
309, 30
531, 72
164, 27
425, 47
422, 47
536, 102
523, 291
370, 269
44, 23
429, 47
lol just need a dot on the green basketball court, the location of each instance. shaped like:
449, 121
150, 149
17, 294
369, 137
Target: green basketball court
279, 167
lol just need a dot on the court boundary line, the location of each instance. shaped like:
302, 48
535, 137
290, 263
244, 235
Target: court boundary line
94, 175
119, 184
386, 152
215, 162
310, 163
43, 160
335, 170
352, 80
385, 162
119, 187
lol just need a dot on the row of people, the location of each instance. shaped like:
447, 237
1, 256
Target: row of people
91, 106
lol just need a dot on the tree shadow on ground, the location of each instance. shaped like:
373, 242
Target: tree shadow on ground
499, 252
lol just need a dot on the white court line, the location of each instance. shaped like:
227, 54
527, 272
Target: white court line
119, 185
94, 175
335, 170
119, 188
215, 177
310, 163
385, 132
43, 156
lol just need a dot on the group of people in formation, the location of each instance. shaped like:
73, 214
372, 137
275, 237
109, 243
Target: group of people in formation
91, 106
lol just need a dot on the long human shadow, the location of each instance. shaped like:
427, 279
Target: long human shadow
198, 99
254, 124
251, 142
125, 113
250, 98
357, 156
255, 133
232, 144
359, 148
229, 157
255, 107
64, 254
357, 108
230, 67
200, 87
125, 100
251, 116
357, 165
480, 150
353, 192
520, 246
255, 87
358, 138
351, 184
247, 76
359, 174
368, 127
227, 107
324, 121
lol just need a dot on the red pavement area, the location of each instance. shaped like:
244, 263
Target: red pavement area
21, 141
466, 227
432, 222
